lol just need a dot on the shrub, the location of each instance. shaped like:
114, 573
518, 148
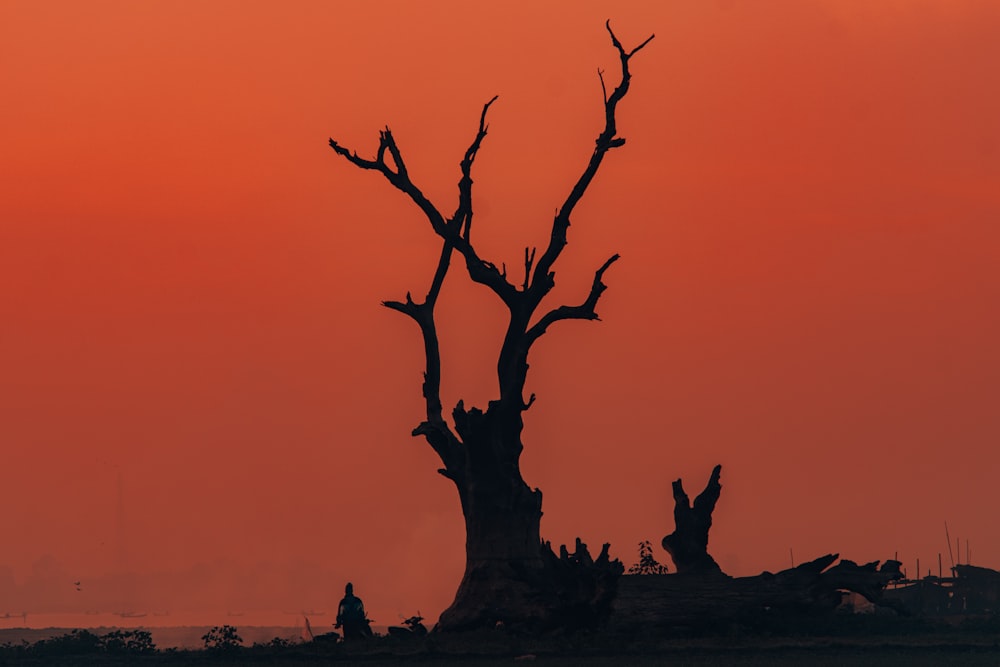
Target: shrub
222, 639
647, 563
128, 642
77, 642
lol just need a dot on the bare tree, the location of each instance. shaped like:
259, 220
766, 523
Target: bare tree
688, 544
511, 576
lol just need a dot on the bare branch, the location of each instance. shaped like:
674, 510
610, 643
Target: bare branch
528, 261
442, 270
354, 159
522, 301
435, 429
397, 156
399, 178
585, 311
463, 214
408, 308
460, 225
449, 449
542, 280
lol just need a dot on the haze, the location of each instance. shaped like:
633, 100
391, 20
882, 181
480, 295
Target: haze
806, 209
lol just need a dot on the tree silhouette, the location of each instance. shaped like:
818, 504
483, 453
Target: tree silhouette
688, 544
511, 576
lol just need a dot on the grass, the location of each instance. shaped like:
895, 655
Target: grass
821, 642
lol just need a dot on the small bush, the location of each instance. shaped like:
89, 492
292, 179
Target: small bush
77, 642
222, 639
647, 563
276, 643
128, 642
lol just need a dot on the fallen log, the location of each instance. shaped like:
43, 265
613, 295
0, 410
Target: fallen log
700, 593
667, 600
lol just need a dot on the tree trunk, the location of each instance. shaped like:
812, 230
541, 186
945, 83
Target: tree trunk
688, 544
503, 558
512, 577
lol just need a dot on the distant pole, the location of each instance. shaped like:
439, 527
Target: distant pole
791, 556
947, 537
958, 550
939, 566
918, 569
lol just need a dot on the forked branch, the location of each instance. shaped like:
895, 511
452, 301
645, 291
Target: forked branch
585, 311
454, 233
398, 176
523, 300
543, 280
463, 214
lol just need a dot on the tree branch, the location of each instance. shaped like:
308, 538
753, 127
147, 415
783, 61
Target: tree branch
529, 259
463, 214
399, 177
543, 279
435, 430
585, 311
455, 230
460, 225
455, 233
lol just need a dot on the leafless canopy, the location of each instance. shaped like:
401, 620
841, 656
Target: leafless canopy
522, 299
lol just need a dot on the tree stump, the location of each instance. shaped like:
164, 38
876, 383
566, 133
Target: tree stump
688, 544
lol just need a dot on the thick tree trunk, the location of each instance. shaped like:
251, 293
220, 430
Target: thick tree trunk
503, 559
514, 579
511, 577
688, 544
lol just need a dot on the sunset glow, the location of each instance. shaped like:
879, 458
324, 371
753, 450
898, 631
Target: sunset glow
198, 384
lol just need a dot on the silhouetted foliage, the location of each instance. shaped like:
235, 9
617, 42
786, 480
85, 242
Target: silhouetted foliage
222, 639
647, 562
85, 643
276, 643
77, 642
128, 642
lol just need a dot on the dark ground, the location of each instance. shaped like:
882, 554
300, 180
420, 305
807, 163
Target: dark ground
820, 642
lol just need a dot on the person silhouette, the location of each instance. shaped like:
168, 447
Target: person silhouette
351, 616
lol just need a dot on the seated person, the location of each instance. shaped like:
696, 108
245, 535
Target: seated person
351, 616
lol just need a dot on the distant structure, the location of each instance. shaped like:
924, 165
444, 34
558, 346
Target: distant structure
971, 590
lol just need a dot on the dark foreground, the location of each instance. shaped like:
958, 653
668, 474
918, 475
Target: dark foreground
853, 641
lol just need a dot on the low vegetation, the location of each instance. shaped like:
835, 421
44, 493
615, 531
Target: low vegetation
841, 639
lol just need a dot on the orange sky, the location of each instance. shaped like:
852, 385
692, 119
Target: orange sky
806, 209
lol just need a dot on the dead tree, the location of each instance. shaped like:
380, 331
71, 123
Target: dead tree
510, 575
671, 600
688, 544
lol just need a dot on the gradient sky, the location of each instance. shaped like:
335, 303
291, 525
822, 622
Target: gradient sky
807, 210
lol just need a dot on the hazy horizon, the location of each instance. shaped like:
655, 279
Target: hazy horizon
195, 366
